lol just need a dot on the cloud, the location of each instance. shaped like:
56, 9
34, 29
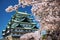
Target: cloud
11, 8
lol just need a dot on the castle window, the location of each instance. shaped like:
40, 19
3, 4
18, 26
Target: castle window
17, 34
29, 25
29, 30
21, 30
23, 25
26, 25
17, 29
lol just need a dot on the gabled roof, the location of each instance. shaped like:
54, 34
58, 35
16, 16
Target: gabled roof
35, 27
19, 26
25, 19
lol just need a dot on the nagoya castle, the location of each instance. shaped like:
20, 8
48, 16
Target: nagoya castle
20, 23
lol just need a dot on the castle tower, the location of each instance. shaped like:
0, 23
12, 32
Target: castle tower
20, 23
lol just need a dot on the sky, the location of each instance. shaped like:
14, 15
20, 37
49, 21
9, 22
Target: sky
5, 17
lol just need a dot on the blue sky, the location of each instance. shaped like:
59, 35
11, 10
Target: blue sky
4, 16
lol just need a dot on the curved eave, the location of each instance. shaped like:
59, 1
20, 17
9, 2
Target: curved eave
25, 22
22, 13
